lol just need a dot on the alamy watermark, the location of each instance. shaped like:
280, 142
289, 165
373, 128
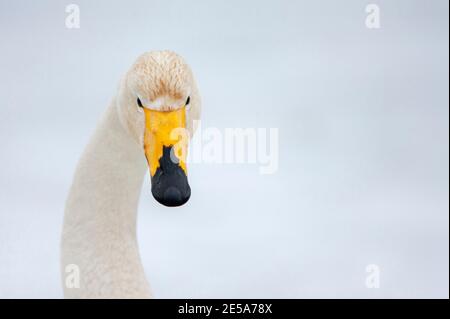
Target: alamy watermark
373, 16
257, 146
72, 279
373, 276
73, 16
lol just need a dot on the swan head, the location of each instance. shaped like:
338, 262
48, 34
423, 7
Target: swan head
159, 104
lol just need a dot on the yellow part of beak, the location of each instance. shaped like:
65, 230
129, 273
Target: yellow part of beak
165, 130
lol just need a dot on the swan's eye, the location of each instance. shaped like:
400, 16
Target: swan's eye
188, 100
139, 102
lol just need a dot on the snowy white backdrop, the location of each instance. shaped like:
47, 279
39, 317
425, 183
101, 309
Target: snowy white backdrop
364, 151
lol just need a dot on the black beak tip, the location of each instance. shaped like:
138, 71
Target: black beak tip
170, 186
173, 197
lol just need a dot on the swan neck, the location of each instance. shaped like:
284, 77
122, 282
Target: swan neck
99, 234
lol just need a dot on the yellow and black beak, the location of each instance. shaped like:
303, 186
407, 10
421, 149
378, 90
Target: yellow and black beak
165, 143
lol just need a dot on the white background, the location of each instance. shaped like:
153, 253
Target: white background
363, 155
